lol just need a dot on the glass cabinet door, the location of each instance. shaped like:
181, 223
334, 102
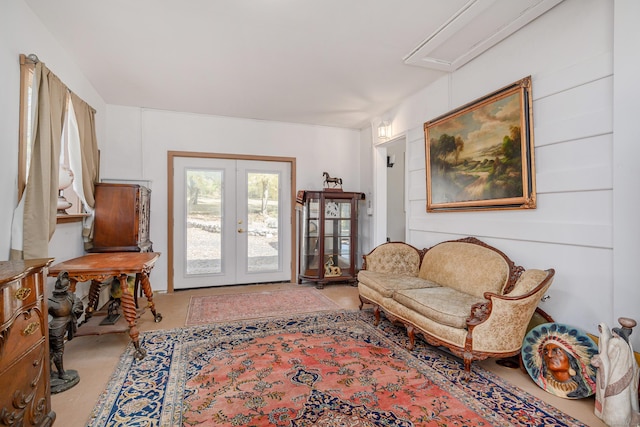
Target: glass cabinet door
337, 237
309, 245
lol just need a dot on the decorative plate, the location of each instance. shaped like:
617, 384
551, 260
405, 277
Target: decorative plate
558, 358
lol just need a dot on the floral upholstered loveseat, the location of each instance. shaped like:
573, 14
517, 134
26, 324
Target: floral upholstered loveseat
461, 294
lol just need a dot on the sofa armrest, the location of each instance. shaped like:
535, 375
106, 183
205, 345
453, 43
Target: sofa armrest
479, 313
500, 324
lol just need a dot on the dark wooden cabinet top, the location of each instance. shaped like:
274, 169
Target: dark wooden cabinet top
16, 270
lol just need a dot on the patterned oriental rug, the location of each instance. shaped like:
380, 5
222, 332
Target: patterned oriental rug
255, 305
320, 369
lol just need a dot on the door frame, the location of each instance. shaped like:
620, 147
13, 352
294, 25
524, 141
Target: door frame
170, 195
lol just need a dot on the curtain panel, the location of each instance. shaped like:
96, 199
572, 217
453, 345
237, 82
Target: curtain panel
41, 194
35, 217
84, 157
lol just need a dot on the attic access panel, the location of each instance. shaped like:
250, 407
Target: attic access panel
476, 27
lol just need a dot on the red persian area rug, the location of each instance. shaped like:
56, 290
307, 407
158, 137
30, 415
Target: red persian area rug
319, 369
255, 305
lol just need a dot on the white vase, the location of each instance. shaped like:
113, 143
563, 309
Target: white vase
65, 179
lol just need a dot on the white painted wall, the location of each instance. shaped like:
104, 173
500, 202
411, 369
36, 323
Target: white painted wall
22, 32
365, 239
586, 224
626, 151
139, 139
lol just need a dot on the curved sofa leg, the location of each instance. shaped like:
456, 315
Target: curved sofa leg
411, 333
376, 313
361, 302
467, 367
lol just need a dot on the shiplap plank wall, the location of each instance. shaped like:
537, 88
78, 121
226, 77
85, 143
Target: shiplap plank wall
571, 229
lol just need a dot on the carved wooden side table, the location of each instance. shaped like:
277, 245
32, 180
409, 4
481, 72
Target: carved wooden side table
99, 267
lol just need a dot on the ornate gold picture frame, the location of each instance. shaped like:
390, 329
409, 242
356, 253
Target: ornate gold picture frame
480, 156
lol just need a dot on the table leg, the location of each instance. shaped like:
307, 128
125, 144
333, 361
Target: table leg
94, 296
148, 293
129, 309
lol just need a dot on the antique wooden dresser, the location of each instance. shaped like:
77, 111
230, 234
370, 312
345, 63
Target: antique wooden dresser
25, 395
122, 218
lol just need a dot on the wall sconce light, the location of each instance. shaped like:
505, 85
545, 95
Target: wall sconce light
391, 160
384, 130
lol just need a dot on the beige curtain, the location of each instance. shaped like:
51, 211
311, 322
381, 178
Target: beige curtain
89, 160
41, 195
35, 217
85, 116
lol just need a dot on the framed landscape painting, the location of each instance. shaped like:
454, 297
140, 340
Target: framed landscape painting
480, 156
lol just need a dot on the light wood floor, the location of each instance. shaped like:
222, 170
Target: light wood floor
95, 357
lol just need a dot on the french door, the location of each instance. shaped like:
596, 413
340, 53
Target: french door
232, 222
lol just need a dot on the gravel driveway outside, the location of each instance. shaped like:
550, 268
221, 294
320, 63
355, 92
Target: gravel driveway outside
203, 250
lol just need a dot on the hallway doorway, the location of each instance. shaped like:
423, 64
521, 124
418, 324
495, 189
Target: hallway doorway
396, 210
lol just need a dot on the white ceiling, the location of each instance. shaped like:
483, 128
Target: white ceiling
325, 62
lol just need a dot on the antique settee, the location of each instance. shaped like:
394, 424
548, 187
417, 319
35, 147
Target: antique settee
462, 294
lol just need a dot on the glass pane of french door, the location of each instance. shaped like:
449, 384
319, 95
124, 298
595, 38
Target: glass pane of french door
228, 222
262, 221
203, 244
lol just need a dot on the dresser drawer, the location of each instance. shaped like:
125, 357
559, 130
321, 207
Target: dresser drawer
24, 393
26, 331
18, 294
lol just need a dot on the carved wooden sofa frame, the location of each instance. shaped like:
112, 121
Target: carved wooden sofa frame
495, 325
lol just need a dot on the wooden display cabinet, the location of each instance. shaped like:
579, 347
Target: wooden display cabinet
328, 236
121, 218
25, 383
